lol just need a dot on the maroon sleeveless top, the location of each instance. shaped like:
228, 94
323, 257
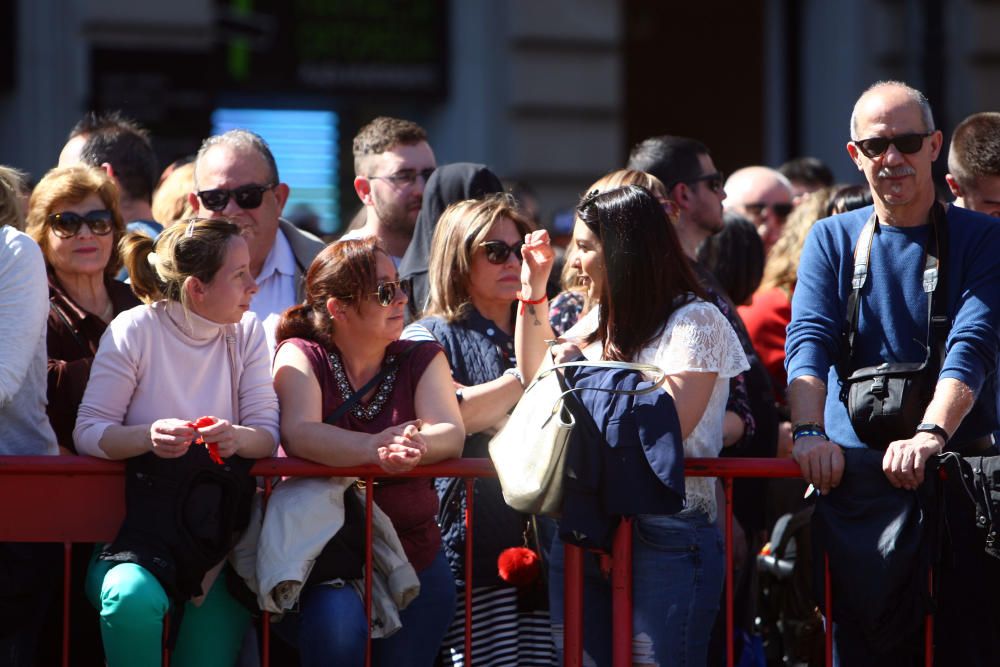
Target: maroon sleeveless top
411, 504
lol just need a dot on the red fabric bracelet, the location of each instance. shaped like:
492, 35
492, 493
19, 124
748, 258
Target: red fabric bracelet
530, 302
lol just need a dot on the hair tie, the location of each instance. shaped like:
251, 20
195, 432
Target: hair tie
153, 259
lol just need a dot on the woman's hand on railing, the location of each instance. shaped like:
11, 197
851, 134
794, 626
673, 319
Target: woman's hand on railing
171, 438
399, 448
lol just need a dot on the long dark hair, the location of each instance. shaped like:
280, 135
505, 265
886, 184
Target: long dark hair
647, 275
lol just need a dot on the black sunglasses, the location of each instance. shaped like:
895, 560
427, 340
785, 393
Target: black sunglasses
67, 225
779, 210
246, 197
406, 177
497, 252
904, 143
714, 180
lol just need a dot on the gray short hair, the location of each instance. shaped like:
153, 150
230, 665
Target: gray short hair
915, 95
240, 140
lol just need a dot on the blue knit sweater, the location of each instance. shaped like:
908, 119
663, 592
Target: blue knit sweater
893, 315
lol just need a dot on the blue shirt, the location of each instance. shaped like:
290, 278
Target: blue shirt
892, 323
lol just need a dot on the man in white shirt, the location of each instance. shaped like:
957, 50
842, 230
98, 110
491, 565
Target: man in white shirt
235, 177
392, 162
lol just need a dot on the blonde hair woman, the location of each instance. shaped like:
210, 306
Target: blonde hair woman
474, 274
189, 368
770, 310
73, 215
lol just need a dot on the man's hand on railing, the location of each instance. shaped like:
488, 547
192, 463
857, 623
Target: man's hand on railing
821, 460
905, 460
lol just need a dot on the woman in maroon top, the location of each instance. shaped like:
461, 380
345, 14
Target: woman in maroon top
345, 334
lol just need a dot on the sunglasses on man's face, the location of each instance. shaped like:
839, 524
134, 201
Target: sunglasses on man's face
67, 225
497, 252
779, 210
246, 197
904, 143
385, 291
712, 181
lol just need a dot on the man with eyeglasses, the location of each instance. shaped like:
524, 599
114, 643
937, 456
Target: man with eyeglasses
974, 163
236, 177
392, 162
894, 143
764, 197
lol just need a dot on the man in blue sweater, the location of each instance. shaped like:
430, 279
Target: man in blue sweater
893, 142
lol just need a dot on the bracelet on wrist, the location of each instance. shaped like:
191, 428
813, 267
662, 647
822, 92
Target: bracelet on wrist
531, 302
807, 433
516, 374
807, 426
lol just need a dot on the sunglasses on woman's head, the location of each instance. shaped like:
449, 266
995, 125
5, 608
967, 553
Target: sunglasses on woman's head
67, 225
497, 252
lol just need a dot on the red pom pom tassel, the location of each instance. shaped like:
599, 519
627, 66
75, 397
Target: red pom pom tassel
519, 566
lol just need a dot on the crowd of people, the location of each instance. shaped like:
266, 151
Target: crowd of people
181, 324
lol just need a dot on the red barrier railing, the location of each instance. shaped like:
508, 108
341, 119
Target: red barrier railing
41, 497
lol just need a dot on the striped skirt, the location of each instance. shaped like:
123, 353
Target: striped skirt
502, 636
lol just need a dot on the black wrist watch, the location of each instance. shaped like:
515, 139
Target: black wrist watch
928, 427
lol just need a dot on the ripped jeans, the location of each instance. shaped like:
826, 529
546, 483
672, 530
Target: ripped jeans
678, 569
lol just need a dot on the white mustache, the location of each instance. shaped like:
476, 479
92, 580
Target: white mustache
895, 172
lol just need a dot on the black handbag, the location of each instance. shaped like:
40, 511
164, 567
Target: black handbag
886, 402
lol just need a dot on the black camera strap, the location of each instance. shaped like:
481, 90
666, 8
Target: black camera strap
935, 283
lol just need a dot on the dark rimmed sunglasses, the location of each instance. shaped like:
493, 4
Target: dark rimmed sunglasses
779, 210
385, 291
246, 197
713, 181
67, 225
904, 143
497, 252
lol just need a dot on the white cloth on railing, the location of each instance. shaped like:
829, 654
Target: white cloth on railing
276, 554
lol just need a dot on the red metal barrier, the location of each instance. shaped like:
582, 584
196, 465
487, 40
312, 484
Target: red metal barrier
42, 497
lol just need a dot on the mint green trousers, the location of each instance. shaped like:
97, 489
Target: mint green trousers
132, 604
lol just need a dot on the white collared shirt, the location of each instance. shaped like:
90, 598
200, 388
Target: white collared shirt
276, 284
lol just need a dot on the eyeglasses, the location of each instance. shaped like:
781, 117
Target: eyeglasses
247, 197
405, 177
779, 210
904, 143
497, 252
714, 181
67, 225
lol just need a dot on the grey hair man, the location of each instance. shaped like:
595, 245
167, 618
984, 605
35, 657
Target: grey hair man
236, 177
894, 144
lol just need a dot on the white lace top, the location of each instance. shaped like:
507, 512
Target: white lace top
697, 337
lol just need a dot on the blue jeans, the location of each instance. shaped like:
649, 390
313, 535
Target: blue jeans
678, 569
330, 626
